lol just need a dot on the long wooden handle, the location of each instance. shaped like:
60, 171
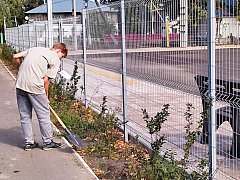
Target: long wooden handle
58, 119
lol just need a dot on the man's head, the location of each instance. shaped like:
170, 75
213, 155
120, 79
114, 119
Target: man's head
60, 49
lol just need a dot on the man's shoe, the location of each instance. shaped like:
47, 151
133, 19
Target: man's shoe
51, 145
29, 147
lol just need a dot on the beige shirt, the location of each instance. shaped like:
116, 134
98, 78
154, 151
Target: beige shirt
38, 62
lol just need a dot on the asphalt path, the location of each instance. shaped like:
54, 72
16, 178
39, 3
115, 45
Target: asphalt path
173, 68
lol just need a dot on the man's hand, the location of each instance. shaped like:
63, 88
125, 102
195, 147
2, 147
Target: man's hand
46, 84
17, 59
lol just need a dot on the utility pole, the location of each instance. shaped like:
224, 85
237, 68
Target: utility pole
50, 23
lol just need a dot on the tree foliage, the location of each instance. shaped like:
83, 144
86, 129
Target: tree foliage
11, 9
197, 11
30, 4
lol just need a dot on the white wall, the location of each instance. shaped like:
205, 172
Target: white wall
229, 25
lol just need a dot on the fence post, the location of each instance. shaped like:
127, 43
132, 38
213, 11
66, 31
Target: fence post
183, 26
50, 23
18, 39
211, 75
84, 56
143, 23
29, 39
1, 36
46, 35
74, 30
60, 30
36, 33
23, 38
5, 27
124, 87
60, 36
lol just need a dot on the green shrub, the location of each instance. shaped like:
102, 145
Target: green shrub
103, 137
7, 52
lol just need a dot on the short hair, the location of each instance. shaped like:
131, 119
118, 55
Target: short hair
62, 47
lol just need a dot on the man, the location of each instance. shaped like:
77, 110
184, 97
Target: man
38, 66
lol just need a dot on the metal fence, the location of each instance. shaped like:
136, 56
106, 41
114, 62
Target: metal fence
143, 54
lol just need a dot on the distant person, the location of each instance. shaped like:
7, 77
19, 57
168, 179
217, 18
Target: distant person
38, 66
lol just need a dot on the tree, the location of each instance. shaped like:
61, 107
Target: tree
238, 10
103, 26
30, 4
108, 25
12, 10
196, 12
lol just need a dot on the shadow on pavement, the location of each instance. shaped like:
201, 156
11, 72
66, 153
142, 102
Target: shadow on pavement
12, 136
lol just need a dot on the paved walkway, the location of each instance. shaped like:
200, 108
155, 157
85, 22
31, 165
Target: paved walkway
17, 164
